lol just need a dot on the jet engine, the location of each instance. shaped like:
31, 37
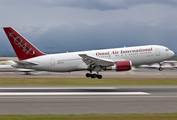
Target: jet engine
123, 65
120, 66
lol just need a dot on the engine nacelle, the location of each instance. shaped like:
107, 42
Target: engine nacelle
123, 65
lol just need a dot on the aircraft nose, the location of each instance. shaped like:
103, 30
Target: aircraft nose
172, 53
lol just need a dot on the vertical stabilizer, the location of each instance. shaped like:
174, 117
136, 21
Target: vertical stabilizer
23, 48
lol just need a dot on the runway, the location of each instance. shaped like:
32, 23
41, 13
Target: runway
111, 99
137, 73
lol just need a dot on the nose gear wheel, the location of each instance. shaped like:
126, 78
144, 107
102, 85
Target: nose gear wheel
160, 67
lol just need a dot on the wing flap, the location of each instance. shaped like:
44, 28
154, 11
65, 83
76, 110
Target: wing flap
92, 60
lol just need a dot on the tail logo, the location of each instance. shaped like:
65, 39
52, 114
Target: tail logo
19, 42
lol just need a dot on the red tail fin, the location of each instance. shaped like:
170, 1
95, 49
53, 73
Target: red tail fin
23, 48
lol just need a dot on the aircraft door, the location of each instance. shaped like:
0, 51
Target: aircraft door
157, 52
52, 62
167, 54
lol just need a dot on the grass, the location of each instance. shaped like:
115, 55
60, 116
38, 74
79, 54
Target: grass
159, 116
85, 81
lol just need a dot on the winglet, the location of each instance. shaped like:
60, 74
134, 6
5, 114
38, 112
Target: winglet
22, 47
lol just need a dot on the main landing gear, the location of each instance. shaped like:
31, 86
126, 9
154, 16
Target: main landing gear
95, 68
93, 75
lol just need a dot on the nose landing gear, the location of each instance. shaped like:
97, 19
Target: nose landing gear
160, 67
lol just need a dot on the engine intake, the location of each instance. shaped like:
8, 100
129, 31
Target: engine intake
123, 65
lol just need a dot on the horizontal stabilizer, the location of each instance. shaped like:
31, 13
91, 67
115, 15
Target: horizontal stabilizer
25, 63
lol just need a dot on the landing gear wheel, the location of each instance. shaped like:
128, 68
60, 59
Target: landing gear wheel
88, 75
160, 68
93, 75
99, 76
27, 73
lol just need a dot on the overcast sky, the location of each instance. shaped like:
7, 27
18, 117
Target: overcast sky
76, 25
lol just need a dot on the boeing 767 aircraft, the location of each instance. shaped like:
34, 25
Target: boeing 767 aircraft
120, 59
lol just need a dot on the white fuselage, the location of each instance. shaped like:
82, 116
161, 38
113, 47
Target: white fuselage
66, 62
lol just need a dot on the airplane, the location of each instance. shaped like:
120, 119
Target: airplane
119, 59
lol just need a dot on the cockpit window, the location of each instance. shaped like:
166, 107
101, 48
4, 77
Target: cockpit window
167, 49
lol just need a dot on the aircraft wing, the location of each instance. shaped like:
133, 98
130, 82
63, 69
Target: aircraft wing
92, 60
26, 70
170, 61
149, 66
